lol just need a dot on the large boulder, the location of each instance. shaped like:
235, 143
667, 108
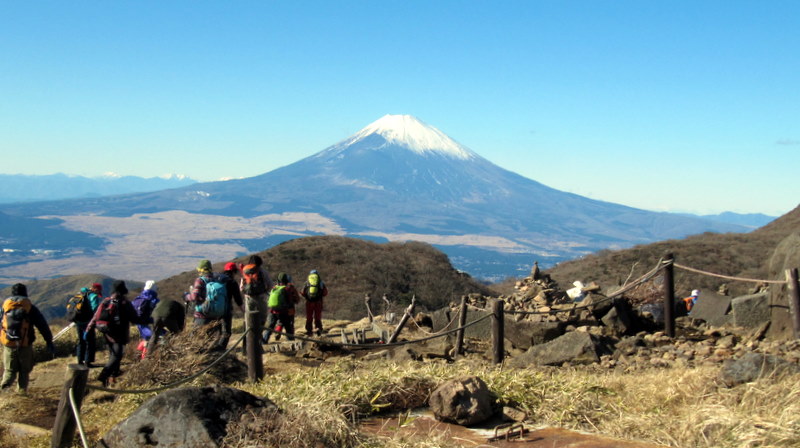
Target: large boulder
186, 417
786, 256
524, 334
574, 347
753, 366
464, 401
751, 311
712, 308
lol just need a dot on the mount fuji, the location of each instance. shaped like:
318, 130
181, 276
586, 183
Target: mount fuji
396, 179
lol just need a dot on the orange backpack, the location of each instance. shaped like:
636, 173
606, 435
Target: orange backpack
16, 323
254, 283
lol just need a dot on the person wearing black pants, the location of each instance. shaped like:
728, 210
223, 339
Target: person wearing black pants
113, 319
233, 295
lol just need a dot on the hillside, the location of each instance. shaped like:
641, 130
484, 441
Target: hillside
736, 254
352, 268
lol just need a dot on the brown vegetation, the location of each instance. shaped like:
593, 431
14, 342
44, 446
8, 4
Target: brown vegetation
353, 268
739, 254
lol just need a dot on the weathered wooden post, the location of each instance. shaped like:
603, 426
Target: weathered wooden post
669, 296
794, 300
498, 331
368, 303
252, 340
403, 320
462, 320
65, 424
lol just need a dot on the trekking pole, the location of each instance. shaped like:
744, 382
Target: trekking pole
63, 331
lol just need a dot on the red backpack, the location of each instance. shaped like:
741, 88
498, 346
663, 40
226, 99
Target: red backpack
254, 283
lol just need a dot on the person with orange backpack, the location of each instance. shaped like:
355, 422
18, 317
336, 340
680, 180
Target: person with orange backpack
313, 291
19, 317
255, 284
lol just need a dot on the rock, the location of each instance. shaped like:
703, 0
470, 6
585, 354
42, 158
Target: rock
524, 334
513, 414
464, 401
573, 347
712, 308
785, 256
751, 311
753, 366
187, 417
618, 319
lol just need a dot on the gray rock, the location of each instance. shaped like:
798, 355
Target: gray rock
618, 320
464, 401
753, 366
187, 417
524, 334
574, 347
712, 308
751, 311
786, 256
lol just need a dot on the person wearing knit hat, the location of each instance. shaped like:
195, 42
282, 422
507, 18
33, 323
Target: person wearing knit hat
197, 295
144, 304
18, 340
113, 319
284, 310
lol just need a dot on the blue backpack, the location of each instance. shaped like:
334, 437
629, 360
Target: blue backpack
216, 295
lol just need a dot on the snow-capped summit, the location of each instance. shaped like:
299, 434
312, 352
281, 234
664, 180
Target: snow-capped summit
409, 132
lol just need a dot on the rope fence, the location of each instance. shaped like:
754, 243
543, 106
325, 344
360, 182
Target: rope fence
727, 277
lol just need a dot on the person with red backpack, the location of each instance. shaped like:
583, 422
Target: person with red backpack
313, 291
19, 317
255, 284
113, 319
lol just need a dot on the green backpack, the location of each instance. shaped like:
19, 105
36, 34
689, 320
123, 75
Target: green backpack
277, 297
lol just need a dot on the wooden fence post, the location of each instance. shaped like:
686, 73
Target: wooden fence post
794, 300
368, 303
669, 297
403, 320
462, 320
498, 331
65, 424
252, 341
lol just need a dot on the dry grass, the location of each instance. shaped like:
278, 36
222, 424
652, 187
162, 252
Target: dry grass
674, 407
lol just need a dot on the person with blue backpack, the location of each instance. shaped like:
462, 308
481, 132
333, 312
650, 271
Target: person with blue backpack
144, 304
212, 296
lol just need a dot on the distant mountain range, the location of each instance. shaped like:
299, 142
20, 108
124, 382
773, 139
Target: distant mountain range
749, 220
397, 179
30, 188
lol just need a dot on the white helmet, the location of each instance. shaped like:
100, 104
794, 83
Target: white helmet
695, 292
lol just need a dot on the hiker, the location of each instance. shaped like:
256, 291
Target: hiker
144, 304
313, 291
234, 295
168, 315
689, 302
80, 310
292, 311
19, 317
113, 319
255, 284
282, 299
208, 295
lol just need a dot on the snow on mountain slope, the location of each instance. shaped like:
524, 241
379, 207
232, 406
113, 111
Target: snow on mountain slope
413, 134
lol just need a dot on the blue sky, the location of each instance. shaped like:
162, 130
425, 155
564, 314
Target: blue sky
679, 106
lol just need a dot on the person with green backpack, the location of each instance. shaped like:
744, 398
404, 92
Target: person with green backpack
313, 291
282, 300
